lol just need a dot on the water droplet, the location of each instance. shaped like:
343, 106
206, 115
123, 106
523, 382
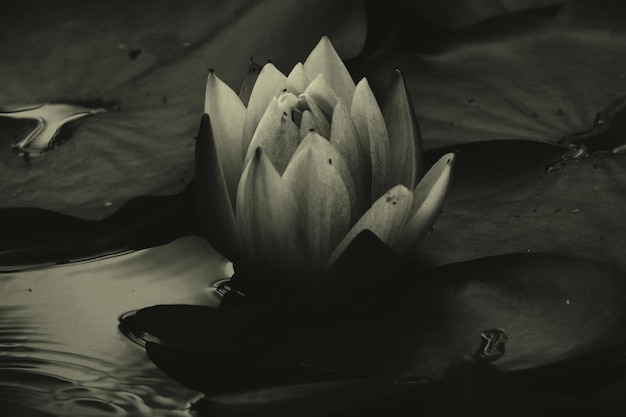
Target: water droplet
492, 345
48, 120
222, 287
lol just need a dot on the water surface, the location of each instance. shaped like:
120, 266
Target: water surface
61, 352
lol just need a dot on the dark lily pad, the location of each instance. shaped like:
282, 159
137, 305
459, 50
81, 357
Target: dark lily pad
456, 14
468, 389
551, 308
528, 75
552, 201
42, 237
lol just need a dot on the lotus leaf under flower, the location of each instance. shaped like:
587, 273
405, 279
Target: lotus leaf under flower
285, 183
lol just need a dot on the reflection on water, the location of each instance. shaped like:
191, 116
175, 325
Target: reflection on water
61, 353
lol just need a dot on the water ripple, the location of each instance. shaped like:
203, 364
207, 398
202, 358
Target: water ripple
61, 353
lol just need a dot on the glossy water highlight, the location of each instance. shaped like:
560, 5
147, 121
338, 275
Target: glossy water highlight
48, 119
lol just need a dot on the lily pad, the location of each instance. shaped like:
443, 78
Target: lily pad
148, 64
529, 75
562, 315
513, 196
457, 14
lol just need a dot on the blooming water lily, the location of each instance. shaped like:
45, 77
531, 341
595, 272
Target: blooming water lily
285, 183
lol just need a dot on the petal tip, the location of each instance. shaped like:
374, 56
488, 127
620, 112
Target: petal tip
205, 127
258, 153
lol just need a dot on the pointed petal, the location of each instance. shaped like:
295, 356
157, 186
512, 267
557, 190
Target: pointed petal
254, 68
405, 140
371, 128
331, 155
385, 219
324, 60
287, 102
271, 83
323, 95
306, 102
308, 124
344, 138
227, 115
269, 221
297, 81
322, 197
428, 199
213, 204
277, 134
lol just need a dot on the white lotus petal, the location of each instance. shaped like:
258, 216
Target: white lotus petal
328, 153
308, 124
405, 140
322, 197
277, 134
385, 219
286, 102
227, 115
324, 60
213, 203
269, 84
345, 139
252, 73
323, 95
269, 221
297, 81
371, 128
428, 199
306, 102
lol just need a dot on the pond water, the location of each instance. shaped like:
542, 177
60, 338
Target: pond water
61, 353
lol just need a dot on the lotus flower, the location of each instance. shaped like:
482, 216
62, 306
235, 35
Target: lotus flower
286, 183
